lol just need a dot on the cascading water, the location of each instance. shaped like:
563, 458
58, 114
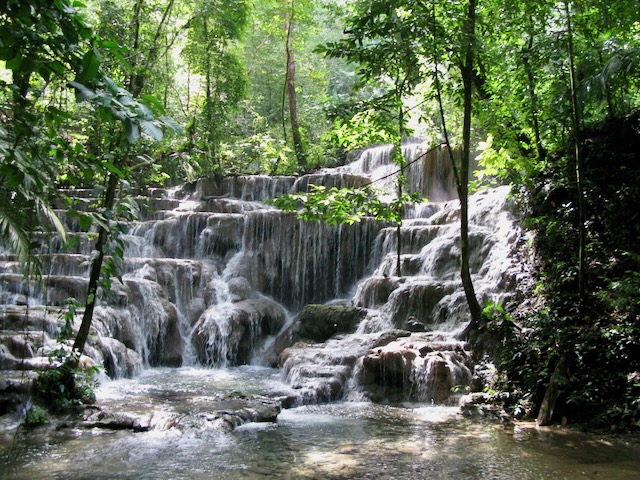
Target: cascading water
212, 275
212, 278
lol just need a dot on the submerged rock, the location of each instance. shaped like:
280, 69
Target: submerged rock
219, 413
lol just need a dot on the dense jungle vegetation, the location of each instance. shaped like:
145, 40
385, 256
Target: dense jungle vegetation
122, 95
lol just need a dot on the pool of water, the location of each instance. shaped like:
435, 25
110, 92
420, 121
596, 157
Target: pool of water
346, 440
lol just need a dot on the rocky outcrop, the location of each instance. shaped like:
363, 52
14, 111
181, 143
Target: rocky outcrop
208, 275
414, 368
317, 324
227, 334
320, 372
224, 413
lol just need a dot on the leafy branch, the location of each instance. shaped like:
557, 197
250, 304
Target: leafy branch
343, 206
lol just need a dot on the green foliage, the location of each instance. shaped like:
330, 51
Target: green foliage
40, 37
497, 164
260, 153
338, 206
524, 89
69, 314
211, 50
600, 334
115, 104
621, 294
65, 385
36, 415
364, 128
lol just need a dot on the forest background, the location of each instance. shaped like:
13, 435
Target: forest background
123, 95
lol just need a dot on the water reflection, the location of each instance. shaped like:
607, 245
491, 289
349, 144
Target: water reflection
336, 441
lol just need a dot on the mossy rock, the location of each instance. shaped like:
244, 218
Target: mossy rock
319, 323
316, 324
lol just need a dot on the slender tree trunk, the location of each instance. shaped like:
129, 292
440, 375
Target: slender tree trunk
22, 82
136, 80
291, 91
436, 77
560, 373
401, 179
575, 111
96, 266
607, 90
463, 186
533, 98
208, 107
462, 173
562, 368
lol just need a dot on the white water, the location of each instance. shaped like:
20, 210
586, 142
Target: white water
214, 275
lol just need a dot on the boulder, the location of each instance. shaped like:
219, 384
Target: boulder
414, 368
240, 289
318, 323
228, 334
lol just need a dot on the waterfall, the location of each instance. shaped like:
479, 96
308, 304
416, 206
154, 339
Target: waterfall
213, 275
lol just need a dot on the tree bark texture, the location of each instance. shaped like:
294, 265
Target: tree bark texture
560, 373
291, 91
463, 185
96, 266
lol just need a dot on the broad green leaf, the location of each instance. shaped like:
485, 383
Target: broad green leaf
113, 169
90, 68
152, 130
83, 93
132, 130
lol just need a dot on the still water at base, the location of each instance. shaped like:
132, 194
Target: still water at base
345, 440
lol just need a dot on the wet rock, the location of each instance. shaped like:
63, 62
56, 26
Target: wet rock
414, 368
36, 320
228, 334
413, 325
390, 336
318, 323
321, 372
240, 289
223, 234
97, 418
375, 291
14, 388
416, 305
117, 360
482, 405
254, 411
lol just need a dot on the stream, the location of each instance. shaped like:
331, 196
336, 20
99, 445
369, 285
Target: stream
342, 440
230, 309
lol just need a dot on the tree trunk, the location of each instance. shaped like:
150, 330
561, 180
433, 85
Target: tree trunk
462, 174
22, 82
136, 80
209, 146
291, 92
560, 373
533, 98
463, 185
575, 111
400, 160
96, 266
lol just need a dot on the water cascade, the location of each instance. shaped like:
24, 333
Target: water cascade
215, 277
236, 325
